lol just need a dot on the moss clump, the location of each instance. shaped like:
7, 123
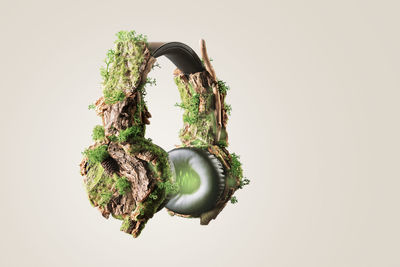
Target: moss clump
123, 64
113, 96
112, 138
236, 166
98, 133
228, 108
127, 224
97, 154
236, 173
148, 208
122, 185
222, 87
130, 132
234, 200
105, 198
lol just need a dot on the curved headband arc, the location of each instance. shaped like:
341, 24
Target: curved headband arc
183, 57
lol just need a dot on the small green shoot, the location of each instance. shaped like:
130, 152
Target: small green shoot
222, 87
234, 200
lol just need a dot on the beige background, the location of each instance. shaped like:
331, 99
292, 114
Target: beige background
315, 92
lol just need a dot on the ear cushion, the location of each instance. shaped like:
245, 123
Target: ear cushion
201, 180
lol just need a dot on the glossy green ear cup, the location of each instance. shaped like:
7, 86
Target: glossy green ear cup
200, 179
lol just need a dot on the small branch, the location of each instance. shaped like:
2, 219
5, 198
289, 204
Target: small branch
206, 60
210, 69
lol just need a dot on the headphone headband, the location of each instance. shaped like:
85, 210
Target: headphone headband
180, 54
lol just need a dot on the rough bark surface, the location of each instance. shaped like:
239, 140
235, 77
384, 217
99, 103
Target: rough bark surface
124, 162
209, 130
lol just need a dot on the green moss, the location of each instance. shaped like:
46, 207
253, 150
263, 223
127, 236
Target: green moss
200, 127
228, 108
153, 196
122, 185
97, 154
191, 107
235, 174
170, 187
231, 181
127, 224
112, 138
122, 65
222, 87
142, 103
130, 132
222, 143
98, 133
148, 208
234, 200
199, 143
105, 198
190, 102
113, 96
130, 36
236, 166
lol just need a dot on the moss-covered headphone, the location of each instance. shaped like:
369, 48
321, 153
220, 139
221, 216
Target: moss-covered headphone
125, 173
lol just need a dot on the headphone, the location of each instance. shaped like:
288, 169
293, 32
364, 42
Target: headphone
129, 177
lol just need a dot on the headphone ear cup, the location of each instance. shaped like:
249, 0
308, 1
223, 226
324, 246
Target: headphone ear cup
201, 180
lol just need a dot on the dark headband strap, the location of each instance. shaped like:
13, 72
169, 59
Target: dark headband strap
180, 54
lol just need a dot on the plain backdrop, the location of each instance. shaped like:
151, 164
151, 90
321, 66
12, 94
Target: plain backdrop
315, 92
